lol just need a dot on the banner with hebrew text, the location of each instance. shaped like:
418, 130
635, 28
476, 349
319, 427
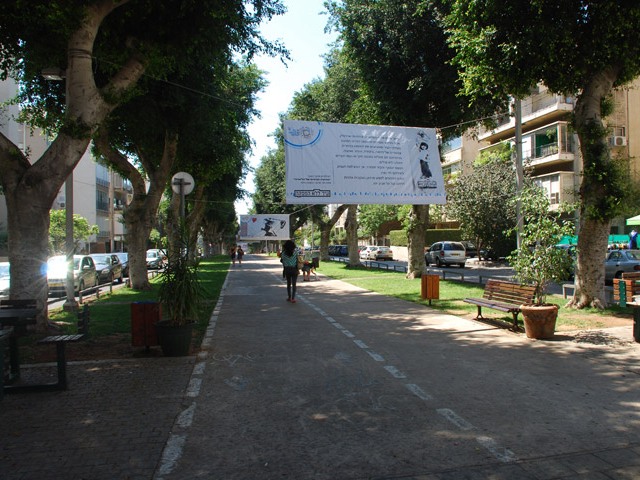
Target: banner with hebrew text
361, 164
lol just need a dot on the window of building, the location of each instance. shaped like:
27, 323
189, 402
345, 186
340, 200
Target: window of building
102, 201
618, 131
551, 185
452, 144
451, 169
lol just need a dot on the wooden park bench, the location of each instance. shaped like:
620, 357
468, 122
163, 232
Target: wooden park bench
631, 281
505, 297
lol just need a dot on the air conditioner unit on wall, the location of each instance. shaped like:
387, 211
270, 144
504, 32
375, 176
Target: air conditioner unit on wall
617, 141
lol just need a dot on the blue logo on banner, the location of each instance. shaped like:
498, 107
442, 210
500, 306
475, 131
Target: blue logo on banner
304, 136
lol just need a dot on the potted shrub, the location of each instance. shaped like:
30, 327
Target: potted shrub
539, 261
180, 295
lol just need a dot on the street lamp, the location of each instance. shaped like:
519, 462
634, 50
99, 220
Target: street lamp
57, 74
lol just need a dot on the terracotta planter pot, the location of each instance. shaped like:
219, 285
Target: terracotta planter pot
539, 320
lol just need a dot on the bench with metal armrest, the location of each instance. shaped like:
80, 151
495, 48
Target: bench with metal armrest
505, 297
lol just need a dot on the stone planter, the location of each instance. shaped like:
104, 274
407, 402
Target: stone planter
175, 341
539, 320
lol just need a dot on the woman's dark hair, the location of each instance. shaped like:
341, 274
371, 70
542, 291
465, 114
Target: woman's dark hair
288, 247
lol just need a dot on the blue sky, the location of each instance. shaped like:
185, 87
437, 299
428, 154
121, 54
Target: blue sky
301, 30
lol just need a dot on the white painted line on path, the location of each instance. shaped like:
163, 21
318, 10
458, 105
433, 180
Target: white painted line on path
185, 419
454, 418
193, 390
394, 371
199, 368
501, 453
418, 392
171, 454
376, 356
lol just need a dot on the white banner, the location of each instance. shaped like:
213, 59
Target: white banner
264, 227
361, 164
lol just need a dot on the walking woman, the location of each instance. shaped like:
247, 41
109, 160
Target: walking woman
289, 259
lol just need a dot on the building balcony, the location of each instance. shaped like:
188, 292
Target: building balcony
551, 154
537, 110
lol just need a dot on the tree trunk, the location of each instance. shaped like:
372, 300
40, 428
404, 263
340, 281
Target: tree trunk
417, 236
31, 189
194, 220
141, 213
351, 226
597, 192
325, 232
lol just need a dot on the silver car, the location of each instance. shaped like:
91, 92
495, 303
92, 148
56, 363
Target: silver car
84, 273
619, 261
446, 253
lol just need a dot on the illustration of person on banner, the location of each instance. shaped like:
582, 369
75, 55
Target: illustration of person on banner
422, 160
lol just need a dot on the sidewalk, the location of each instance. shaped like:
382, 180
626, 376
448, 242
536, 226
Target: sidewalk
344, 384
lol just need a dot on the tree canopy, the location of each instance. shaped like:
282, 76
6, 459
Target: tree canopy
581, 47
103, 48
479, 200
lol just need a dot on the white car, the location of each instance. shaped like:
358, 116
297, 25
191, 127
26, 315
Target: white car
156, 259
446, 253
376, 253
365, 252
5, 280
84, 273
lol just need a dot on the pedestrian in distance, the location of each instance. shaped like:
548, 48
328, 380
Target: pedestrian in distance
289, 259
240, 254
305, 260
232, 254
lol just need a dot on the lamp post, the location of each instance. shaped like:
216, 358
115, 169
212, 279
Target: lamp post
70, 304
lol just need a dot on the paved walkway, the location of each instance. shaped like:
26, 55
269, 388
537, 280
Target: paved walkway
345, 384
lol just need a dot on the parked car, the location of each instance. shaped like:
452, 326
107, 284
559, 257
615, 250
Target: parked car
108, 267
338, 250
446, 253
363, 253
619, 261
5, 280
84, 273
155, 258
124, 260
470, 249
376, 253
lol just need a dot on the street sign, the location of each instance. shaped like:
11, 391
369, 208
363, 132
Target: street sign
182, 183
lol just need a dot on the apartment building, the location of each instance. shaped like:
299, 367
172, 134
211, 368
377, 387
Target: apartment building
99, 194
549, 146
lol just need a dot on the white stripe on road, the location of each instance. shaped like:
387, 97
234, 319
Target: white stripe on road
418, 392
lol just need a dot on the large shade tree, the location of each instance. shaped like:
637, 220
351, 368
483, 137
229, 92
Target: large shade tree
103, 47
401, 50
338, 97
194, 123
582, 47
479, 200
